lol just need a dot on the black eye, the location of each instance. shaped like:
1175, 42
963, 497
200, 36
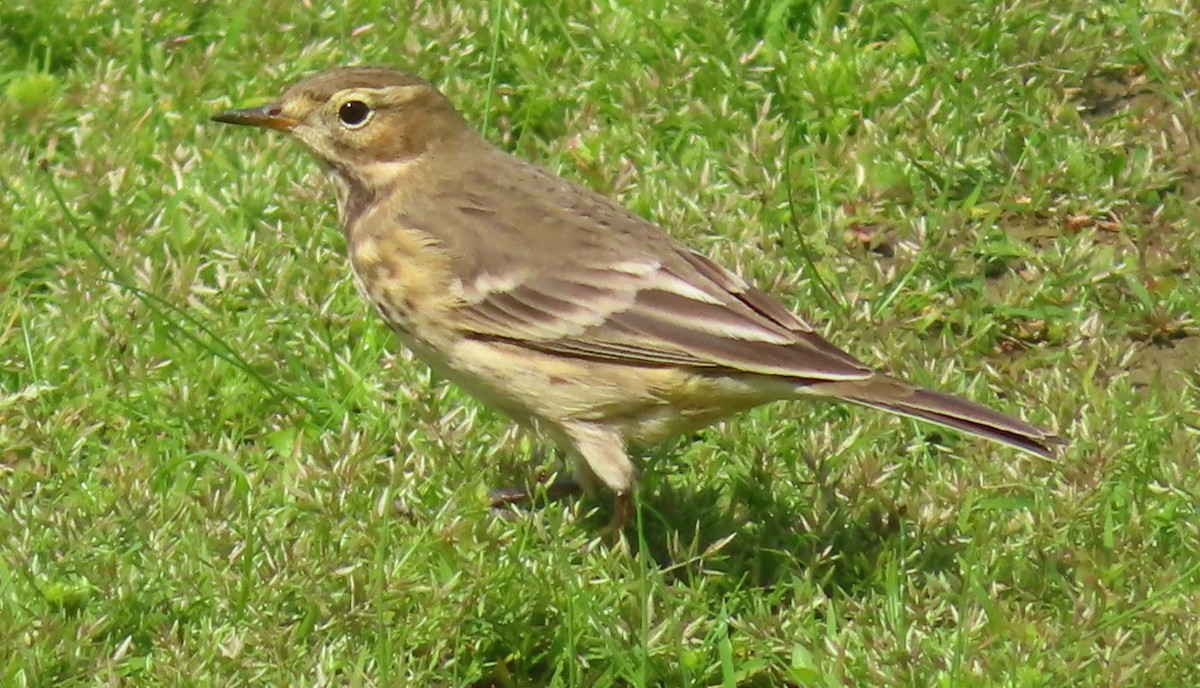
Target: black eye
354, 113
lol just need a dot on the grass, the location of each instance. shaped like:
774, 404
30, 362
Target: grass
204, 435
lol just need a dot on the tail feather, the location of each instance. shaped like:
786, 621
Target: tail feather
892, 395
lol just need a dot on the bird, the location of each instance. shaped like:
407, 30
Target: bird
555, 304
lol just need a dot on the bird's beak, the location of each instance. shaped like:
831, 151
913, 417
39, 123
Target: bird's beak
269, 116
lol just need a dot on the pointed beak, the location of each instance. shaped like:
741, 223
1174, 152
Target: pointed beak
269, 116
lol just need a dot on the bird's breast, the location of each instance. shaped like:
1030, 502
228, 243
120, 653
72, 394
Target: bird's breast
404, 274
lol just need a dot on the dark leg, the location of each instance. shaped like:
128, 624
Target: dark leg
622, 510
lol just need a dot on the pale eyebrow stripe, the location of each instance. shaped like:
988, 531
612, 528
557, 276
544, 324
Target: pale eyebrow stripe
381, 96
399, 95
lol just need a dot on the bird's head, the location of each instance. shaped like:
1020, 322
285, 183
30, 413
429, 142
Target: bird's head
369, 124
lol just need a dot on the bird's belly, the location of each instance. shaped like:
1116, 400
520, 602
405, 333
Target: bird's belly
505, 390
645, 404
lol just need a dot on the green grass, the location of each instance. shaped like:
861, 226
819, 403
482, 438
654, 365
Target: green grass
205, 435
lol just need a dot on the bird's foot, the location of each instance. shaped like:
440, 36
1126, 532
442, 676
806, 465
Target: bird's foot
502, 499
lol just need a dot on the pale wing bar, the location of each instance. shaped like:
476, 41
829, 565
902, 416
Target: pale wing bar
705, 317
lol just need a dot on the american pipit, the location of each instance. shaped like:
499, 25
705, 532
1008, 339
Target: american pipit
555, 304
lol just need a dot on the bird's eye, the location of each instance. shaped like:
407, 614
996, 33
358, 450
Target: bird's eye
354, 113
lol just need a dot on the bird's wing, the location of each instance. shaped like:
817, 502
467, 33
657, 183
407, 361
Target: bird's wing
677, 309
545, 264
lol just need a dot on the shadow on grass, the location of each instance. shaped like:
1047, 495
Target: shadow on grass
840, 536
760, 531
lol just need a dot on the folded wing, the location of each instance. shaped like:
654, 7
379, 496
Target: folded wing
682, 310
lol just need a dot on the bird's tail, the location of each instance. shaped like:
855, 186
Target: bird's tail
902, 398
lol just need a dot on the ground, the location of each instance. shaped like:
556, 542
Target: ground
217, 467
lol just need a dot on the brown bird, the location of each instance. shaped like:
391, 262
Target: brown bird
555, 304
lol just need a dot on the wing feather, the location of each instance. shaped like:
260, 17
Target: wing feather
688, 312
561, 269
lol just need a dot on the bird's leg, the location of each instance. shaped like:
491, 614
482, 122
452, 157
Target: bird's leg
622, 510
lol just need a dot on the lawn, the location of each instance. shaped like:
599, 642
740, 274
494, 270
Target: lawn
218, 468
